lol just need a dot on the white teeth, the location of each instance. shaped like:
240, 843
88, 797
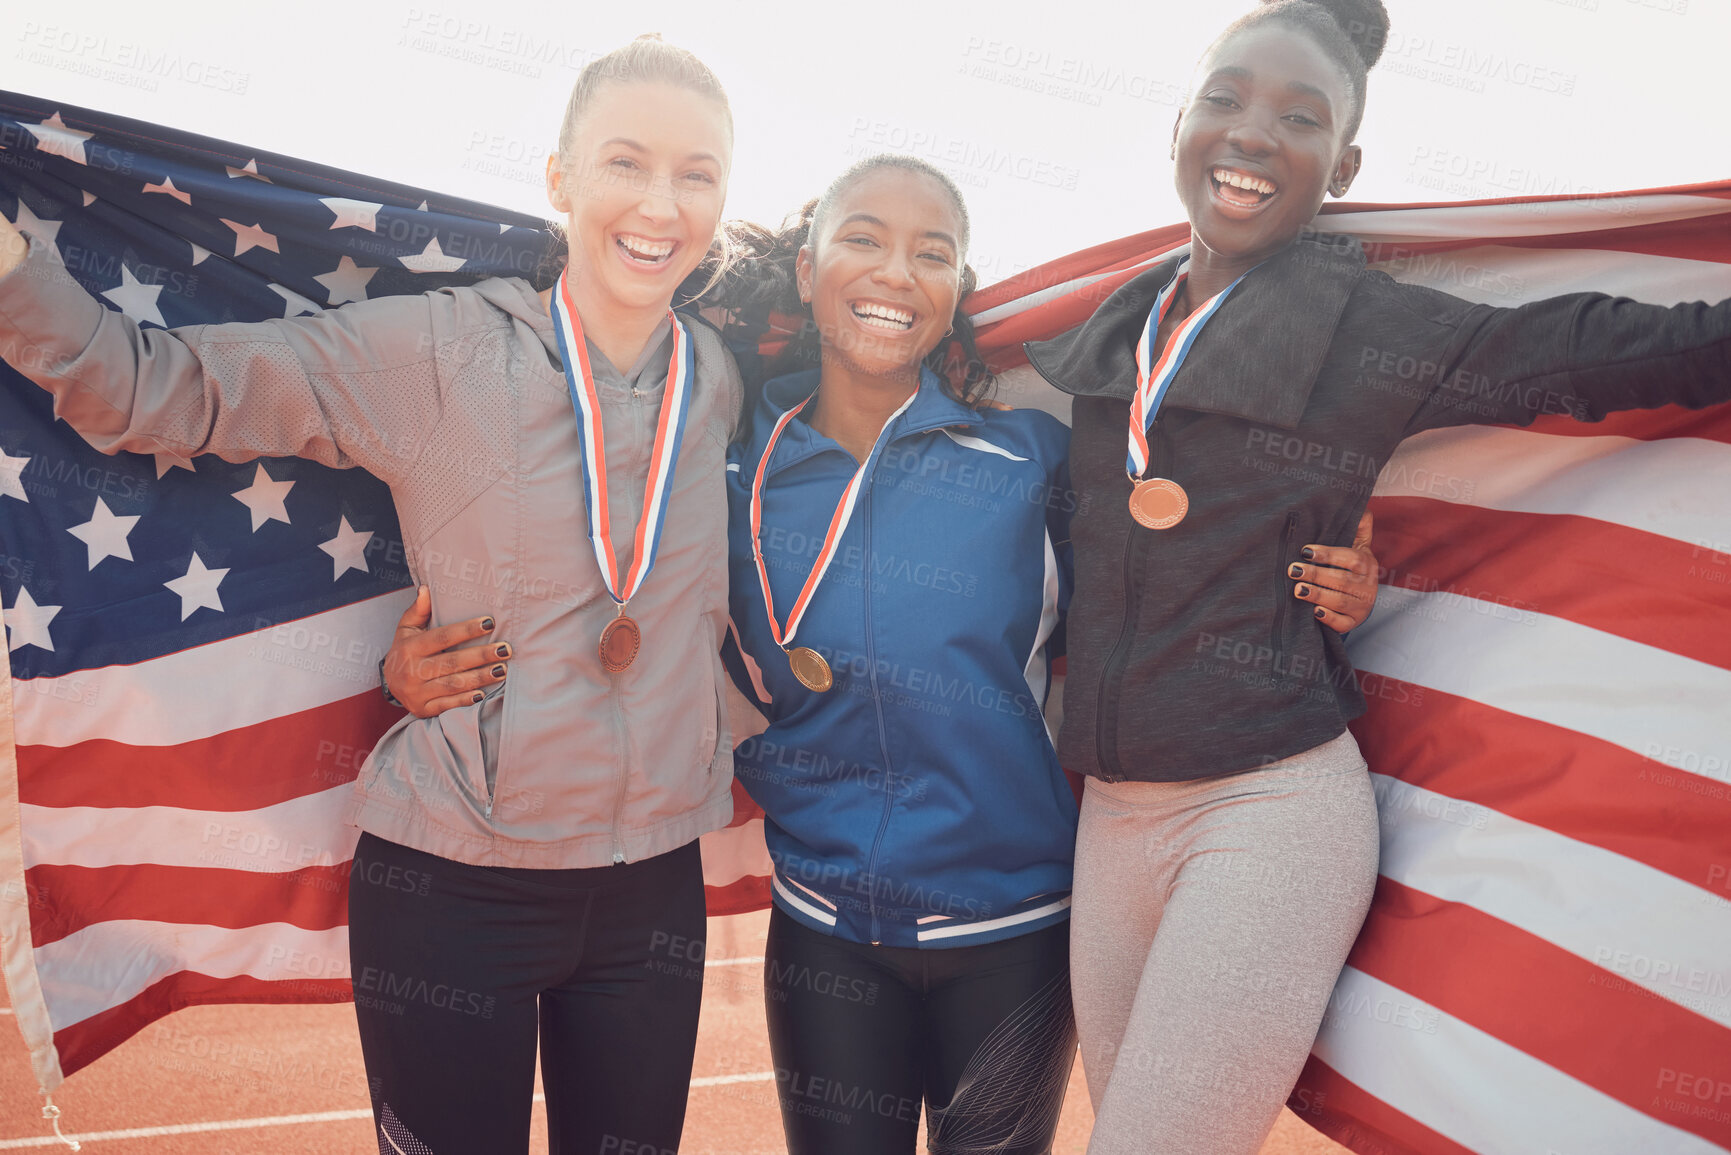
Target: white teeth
884, 317
1248, 183
649, 250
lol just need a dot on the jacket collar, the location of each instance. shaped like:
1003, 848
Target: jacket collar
1259, 356
933, 408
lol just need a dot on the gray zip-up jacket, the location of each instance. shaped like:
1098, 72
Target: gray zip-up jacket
456, 399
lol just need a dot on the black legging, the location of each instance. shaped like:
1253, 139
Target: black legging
861, 1035
457, 967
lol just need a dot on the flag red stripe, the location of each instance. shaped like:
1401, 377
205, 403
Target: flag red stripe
1562, 780
65, 899
1563, 566
84, 1042
1614, 1036
271, 762
1355, 1118
1678, 239
742, 896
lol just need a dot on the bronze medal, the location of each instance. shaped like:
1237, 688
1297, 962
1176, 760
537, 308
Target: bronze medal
1158, 503
619, 644
810, 668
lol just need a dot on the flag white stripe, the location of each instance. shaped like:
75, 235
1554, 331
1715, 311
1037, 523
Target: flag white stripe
108, 963
291, 835
1531, 219
1498, 275
1647, 700
300, 665
1679, 487
1651, 929
1474, 1088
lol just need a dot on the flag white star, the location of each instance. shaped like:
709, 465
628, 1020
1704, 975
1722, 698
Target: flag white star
198, 587
168, 461
265, 497
348, 549
297, 304
432, 259
53, 137
250, 169
422, 207
353, 214
104, 535
504, 228
167, 187
29, 222
250, 237
135, 298
11, 484
29, 622
346, 282
89, 197
199, 252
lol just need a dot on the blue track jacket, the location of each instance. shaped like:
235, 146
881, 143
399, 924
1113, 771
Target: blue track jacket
917, 803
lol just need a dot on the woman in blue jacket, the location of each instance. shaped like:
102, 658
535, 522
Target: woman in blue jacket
899, 570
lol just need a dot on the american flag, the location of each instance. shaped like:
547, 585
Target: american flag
1547, 966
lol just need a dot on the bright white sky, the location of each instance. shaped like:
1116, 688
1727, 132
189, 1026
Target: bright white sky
1054, 117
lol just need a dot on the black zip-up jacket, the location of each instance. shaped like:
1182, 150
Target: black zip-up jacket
1188, 656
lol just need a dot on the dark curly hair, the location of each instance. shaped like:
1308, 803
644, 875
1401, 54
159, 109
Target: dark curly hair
765, 278
1352, 32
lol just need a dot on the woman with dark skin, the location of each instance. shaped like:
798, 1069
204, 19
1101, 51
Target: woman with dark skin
1228, 840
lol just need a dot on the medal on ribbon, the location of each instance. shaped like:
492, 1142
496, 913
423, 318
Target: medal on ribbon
622, 638
807, 664
1160, 502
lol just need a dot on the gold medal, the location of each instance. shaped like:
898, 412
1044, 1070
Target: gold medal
1158, 503
619, 644
810, 668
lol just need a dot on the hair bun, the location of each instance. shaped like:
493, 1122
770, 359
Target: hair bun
648, 36
1365, 23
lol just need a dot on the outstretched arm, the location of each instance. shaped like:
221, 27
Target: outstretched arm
352, 386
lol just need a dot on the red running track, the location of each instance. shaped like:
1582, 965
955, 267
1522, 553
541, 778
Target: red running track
244, 1080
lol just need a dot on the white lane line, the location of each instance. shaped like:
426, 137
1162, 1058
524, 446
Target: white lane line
292, 1120
192, 1128
723, 1080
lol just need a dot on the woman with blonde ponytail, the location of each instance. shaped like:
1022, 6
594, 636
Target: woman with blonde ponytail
527, 872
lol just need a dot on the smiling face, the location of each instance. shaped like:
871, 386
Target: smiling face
884, 275
1262, 141
642, 187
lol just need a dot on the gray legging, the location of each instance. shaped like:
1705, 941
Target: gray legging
1210, 921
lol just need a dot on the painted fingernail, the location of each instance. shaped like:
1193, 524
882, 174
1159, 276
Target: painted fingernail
1304, 592
1296, 571
478, 696
503, 650
1320, 612
1307, 554
486, 624
498, 671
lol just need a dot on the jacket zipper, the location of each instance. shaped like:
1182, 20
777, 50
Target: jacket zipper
1283, 598
878, 708
624, 732
1105, 737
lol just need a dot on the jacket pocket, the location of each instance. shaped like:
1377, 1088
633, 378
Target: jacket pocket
1283, 597
471, 734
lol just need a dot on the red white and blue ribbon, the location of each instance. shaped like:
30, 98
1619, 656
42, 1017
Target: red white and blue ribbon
838, 522
1153, 382
669, 432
